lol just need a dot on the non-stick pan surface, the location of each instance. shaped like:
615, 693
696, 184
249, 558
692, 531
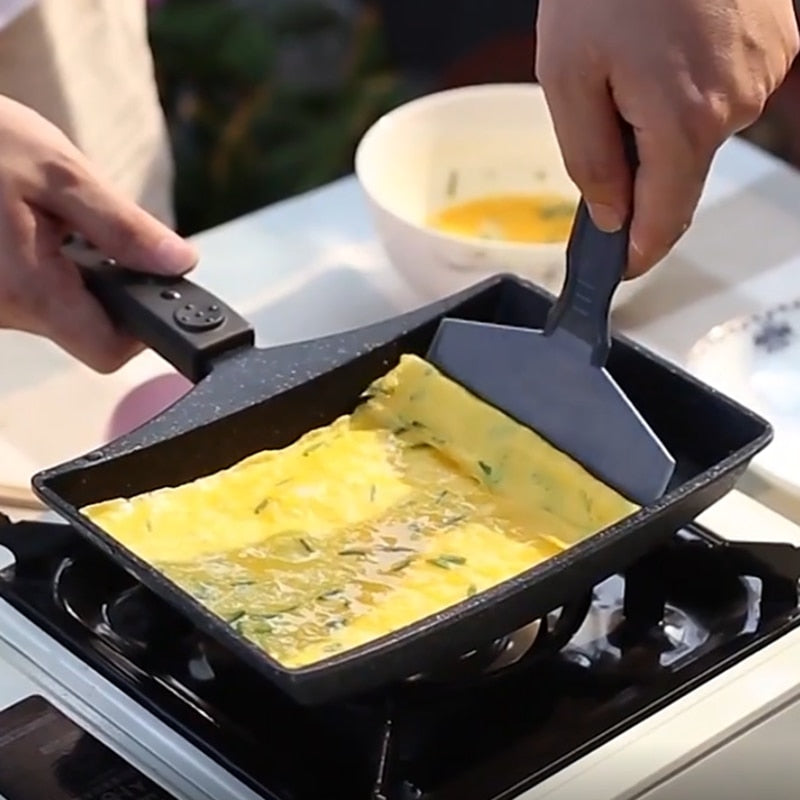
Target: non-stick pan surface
249, 400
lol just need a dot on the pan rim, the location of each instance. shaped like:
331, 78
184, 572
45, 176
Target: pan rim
294, 680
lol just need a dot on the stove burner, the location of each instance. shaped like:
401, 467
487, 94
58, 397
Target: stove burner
484, 661
500, 719
539, 639
134, 622
114, 607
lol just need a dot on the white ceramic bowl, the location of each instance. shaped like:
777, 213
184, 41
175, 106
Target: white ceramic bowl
454, 146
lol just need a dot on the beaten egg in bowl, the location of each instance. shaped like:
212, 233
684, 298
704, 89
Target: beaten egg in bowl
519, 218
423, 496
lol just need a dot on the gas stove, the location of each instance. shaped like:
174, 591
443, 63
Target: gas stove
502, 720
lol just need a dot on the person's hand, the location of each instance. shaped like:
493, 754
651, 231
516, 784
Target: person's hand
686, 74
47, 190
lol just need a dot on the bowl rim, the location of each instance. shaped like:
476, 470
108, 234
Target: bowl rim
404, 110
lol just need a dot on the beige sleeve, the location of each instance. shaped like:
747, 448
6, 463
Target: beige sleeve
86, 66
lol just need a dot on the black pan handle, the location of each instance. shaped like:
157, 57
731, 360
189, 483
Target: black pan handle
596, 263
180, 320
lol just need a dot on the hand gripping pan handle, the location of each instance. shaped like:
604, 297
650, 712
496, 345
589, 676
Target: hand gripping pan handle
182, 322
596, 262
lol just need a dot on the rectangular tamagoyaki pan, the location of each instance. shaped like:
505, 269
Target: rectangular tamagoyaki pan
246, 400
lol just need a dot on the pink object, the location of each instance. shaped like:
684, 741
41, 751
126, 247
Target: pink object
145, 402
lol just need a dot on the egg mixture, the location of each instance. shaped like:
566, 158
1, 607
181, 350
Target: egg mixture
522, 218
422, 497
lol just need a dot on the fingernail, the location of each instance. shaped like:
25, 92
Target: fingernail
605, 217
635, 260
175, 255
654, 256
639, 262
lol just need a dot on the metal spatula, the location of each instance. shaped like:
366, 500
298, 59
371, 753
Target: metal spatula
554, 380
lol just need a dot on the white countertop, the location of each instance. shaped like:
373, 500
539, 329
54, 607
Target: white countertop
310, 266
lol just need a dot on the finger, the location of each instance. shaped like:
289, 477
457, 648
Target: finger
587, 127
77, 323
51, 298
115, 225
668, 187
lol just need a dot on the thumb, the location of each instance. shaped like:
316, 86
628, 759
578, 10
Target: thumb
116, 226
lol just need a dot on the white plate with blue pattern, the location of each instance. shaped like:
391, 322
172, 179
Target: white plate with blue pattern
756, 360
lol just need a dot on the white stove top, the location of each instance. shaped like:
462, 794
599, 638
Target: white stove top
695, 739
33, 664
317, 253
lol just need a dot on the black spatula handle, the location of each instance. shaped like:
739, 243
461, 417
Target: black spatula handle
596, 262
181, 321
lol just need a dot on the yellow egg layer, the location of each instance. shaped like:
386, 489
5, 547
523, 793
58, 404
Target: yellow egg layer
422, 497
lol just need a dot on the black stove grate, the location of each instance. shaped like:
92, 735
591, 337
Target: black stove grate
632, 645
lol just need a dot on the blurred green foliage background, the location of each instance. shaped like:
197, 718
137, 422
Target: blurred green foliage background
268, 98
265, 99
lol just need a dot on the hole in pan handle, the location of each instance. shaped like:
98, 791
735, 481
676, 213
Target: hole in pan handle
596, 263
181, 321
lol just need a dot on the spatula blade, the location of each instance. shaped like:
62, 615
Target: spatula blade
543, 383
